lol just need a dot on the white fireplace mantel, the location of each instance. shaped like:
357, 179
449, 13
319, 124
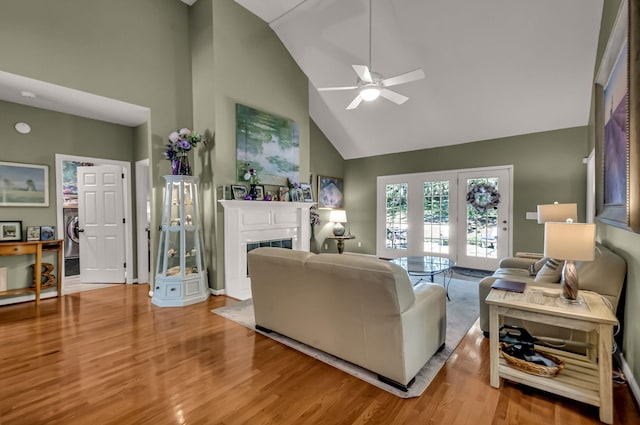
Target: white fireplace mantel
249, 222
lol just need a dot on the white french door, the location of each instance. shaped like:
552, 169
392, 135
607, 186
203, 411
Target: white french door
484, 230
101, 224
428, 214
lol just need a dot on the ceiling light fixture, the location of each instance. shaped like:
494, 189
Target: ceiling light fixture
370, 93
23, 128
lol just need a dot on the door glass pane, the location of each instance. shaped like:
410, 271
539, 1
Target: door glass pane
436, 217
396, 216
482, 225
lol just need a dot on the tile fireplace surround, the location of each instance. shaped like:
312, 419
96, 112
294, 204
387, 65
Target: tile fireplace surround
256, 222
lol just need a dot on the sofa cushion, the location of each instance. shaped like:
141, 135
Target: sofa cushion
534, 268
551, 271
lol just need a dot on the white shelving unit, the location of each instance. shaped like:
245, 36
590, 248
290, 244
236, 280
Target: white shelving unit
180, 276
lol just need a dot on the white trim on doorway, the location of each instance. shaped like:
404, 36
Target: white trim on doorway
126, 169
143, 219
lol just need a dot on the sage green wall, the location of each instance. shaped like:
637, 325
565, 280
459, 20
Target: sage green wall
325, 161
133, 51
547, 167
51, 133
625, 243
237, 58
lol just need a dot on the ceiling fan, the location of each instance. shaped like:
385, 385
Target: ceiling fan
371, 85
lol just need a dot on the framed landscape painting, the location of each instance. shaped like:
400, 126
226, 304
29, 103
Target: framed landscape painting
24, 185
267, 143
617, 124
330, 192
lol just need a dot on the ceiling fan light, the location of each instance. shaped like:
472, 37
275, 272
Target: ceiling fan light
370, 93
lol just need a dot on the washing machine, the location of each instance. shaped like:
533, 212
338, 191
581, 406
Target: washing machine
71, 247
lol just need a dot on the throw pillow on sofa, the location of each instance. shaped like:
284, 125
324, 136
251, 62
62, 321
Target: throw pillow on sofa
534, 268
551, 272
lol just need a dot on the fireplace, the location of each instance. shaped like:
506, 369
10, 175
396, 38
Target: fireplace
251, 224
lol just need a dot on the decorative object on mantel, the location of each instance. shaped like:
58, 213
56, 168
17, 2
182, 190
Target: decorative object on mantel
180, 143
251, 175
295, 191
314, 220
483, 196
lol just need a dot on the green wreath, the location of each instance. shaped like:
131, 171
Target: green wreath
483, 196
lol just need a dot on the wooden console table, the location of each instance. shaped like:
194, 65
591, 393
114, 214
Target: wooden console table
586, 378
37, 248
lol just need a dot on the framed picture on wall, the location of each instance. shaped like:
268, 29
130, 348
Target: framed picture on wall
269, 144
330, 192
617, 89
10, 231
24, 185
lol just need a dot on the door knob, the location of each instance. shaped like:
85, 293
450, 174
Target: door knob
80, 230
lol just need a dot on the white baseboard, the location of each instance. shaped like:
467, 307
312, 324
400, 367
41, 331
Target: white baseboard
217, 292
631, 380
29, 297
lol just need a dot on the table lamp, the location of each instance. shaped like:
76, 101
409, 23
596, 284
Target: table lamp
557, 212
338, 217
570, 242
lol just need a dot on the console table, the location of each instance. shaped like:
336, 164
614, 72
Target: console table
36, 248
586, 378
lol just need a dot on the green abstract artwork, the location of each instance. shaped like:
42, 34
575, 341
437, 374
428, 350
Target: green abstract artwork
267, 143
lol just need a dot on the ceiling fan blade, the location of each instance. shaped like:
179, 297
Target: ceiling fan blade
416, 74
393, 96
354, 104
337, 88
363, 73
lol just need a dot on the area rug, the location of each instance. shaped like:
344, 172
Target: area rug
475, 273
462, 312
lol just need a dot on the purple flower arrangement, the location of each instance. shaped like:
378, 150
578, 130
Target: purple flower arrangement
181, 142
251, 175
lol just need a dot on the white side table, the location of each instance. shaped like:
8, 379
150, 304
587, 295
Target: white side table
586, 378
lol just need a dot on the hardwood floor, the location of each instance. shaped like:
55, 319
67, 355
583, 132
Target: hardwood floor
108, 356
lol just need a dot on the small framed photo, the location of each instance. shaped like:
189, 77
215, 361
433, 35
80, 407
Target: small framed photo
33, 233
239, 191
259, 192
307, 193
10, 231
47, 233
283, 193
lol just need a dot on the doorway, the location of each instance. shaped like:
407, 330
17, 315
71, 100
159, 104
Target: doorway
427, 214
66, 193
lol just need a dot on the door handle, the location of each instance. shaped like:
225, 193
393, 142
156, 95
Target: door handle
80, 230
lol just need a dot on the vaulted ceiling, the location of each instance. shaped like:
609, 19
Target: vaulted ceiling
494, 68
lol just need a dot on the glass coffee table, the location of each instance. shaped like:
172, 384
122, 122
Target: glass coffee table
428, 266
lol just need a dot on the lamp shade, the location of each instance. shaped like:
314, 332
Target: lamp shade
338, 216
570, 241
557, 213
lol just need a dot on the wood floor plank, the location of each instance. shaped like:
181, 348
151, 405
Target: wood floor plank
108, 356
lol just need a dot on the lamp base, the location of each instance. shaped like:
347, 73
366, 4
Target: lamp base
570, 283
338, 229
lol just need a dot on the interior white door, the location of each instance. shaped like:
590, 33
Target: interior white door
101, 224
484, 233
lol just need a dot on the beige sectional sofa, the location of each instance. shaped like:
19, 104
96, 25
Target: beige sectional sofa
604, 275
358, 308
